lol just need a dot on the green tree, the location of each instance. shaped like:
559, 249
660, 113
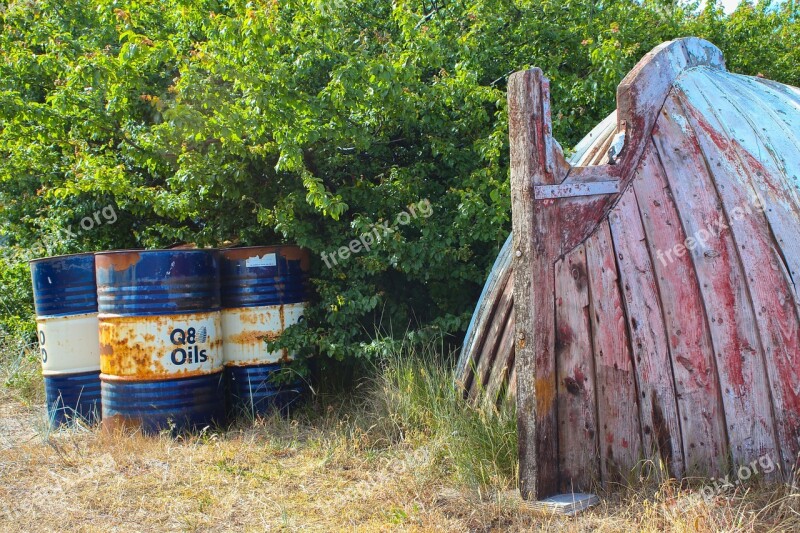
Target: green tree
309, 121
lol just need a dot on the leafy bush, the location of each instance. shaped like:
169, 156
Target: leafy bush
309, 121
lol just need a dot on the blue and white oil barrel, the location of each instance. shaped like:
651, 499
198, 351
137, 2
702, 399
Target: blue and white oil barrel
64, 295
160, 339
264, 290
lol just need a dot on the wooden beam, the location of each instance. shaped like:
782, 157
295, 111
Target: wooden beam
618, 416
533, 257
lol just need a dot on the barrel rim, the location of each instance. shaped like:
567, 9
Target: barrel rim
62, 256
155, 250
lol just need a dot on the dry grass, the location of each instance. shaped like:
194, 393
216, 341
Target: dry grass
389, 462
322, 474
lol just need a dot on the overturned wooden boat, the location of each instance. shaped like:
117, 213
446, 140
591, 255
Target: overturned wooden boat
654, 295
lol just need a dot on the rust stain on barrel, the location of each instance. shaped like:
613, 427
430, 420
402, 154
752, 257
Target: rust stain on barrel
253, 338
117, 261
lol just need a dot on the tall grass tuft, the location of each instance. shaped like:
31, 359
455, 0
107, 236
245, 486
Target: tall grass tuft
20, 372
414, 397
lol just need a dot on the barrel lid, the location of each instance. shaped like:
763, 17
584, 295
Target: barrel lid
156, 250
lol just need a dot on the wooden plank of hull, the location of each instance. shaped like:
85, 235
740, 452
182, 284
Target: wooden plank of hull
577, 416
484, 317
723, 286
512, 382
492, 342
588, 147
697, 386
619, 433
781, 159
767, 280
642, 92
497, 386
486, 311
659, 415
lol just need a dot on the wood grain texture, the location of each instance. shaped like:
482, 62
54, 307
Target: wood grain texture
499, 276
497, 384
642, 92
619, 431
697, 387
723, 286
577, 409
689, 309
483, 317
533, 287
493, 338
771, 155
659, 414
766, 278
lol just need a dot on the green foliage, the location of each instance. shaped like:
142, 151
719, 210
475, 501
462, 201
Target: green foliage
16, 306
222, 121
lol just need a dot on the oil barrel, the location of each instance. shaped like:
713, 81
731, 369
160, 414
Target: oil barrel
264, 289
64, 295
160, 339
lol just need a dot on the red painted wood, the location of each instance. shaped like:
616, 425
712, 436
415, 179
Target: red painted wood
773, 312
694, 366
723, 285
577, 410
772, 152
533, 224
775, 172
619, 433
659, 415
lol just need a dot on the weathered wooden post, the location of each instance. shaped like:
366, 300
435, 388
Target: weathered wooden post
554, 206
530, 139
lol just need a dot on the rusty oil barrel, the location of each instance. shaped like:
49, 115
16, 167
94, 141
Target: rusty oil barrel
64, 295
160, 339
264, 290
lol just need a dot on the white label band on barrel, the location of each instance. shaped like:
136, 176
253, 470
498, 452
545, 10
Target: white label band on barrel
68, 344
160, 347
247, 329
